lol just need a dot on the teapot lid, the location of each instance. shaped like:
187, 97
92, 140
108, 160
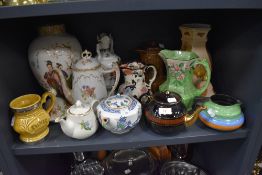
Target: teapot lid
79, 108
87, 62
167, 98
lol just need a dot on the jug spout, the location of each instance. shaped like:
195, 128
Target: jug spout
66, 90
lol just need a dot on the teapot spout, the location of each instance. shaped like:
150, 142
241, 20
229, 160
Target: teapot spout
66, 90
191, 118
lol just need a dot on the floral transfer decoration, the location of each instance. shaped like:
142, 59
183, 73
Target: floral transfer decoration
179, 70
85, 125
87, 92
122, 123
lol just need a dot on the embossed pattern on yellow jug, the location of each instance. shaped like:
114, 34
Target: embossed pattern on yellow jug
31, 120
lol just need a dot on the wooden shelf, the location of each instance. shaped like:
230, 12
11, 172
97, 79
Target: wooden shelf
141, 136
91, 6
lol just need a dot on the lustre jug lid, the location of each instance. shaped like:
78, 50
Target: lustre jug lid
87, 62
167, 97
79, 108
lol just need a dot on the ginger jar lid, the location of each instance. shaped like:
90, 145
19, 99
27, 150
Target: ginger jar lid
119, 103
79, 108
87, 62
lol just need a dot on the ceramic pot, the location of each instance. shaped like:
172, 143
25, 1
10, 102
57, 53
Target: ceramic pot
130, 161
135, 84
53, 49
80, 121
88, 80
180, 70
149, 56
119, 113
166, 113
221, 112
30, 119
107, 57
194, 38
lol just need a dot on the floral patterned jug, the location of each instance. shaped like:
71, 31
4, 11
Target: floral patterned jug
135, 83
180, 66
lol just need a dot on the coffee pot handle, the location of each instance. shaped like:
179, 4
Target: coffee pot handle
117, 71
52, 97
151, 80
203, 62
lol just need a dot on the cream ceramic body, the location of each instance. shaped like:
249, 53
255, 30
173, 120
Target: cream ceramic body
59, 109
107, 57
88, 80
53, 49
80, 122
119, 113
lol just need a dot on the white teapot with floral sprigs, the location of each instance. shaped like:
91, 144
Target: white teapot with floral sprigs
79, 121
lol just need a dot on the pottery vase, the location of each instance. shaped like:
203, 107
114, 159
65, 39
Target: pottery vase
135, 83
149, 56
194, 38
30, 119
180, 71
53, 49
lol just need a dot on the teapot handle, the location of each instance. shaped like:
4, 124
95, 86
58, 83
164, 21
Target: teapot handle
94, 104
43, 100
151, 80
117, 71
208, 72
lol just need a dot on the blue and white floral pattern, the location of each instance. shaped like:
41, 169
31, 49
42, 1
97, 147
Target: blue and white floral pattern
122, 123
113, 105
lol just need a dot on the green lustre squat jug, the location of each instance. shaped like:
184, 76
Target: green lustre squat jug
180, 67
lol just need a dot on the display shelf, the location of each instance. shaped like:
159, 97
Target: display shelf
141, 136
90, 6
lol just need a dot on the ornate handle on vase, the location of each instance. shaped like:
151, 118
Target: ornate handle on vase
208, 74
151, 80
117, 71
52, 97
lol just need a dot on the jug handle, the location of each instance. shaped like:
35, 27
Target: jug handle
207, 67
154, 75
43, 100
114, 69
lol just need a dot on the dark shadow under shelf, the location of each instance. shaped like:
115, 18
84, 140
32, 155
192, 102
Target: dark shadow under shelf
140, 136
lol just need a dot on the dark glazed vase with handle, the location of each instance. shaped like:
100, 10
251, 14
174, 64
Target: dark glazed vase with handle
149, 56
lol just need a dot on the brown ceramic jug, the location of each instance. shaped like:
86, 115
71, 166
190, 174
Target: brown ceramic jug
149, 56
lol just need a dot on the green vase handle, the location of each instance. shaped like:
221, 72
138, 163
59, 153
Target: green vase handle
203, 62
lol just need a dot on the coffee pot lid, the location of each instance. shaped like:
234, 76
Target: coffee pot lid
79, 108
87, 62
